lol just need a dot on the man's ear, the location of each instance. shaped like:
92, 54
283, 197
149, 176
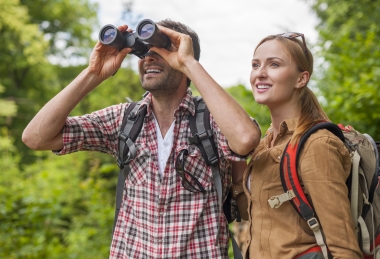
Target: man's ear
303, 79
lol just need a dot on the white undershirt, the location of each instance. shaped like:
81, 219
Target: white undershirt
164, 146
249, 182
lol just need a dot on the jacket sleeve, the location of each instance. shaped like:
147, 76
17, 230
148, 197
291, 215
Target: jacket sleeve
324, 168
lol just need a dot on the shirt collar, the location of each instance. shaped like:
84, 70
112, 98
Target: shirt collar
187, 103
287, 125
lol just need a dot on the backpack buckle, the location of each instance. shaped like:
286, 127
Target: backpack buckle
123, 137
133, 116
276, 201
313, 224
198, 137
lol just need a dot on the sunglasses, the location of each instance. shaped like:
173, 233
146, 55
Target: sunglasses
189, 182
293, 35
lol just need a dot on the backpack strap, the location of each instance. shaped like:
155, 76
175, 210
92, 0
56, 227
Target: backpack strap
292, 186
202, 137
204, 140
130, 128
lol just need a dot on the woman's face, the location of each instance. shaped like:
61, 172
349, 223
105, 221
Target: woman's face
274, 76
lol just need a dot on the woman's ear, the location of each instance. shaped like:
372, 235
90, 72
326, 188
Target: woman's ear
303, 79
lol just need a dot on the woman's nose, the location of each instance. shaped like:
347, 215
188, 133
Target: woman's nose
262, 72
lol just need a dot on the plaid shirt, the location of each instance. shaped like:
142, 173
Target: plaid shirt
159, 218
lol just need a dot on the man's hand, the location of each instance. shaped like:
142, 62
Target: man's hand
105, 60
180, 52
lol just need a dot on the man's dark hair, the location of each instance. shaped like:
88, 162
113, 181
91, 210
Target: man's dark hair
182, 28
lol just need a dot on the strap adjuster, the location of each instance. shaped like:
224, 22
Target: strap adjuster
197, 138
313, 224
214, 161
133, 116
123, 137
120, 163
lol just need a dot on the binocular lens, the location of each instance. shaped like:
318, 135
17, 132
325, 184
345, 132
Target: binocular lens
147, 30
109, 35
147, 34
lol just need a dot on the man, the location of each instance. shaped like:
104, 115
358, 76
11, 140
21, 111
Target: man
159, 218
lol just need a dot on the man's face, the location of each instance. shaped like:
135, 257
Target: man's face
157, 76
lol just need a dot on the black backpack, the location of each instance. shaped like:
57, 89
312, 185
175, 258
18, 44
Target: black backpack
202, 137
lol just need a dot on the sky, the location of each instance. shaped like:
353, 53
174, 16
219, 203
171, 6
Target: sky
228, 30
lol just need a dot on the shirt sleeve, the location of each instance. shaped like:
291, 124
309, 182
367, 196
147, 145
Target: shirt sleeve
224, 149
324, 168
97, 131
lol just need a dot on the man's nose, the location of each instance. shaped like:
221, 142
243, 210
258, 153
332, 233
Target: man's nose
151, 55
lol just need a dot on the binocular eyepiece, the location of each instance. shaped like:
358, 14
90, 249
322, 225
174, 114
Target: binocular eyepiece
146, 35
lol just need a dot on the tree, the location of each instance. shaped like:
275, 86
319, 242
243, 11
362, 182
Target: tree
67, 26
52, 207
349, 36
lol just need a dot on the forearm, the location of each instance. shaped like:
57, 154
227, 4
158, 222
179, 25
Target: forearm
44, 130
242, 134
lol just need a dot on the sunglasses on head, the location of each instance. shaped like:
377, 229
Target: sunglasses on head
189, 182
293, 35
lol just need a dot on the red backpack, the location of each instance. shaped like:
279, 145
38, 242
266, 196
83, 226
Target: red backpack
362, 184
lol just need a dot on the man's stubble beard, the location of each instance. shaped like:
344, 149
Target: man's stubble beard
165, 86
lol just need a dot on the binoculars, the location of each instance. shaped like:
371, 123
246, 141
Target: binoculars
146, 35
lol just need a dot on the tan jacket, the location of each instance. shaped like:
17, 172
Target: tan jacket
323, 168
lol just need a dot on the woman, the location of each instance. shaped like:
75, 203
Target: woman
281, 69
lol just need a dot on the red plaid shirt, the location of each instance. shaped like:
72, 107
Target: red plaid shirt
159, 218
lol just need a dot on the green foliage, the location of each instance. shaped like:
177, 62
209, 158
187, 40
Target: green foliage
52, 210
349, 42
67, 25
51, 207
32, 32
245, 98
8, 108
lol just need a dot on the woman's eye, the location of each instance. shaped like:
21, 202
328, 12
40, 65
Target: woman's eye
255, 65
274, 64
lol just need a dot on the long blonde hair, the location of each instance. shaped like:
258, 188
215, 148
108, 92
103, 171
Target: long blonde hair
311, 111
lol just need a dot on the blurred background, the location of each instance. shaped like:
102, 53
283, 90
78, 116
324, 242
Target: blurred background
62, 207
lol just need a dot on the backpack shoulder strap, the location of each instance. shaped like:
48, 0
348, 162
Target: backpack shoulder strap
289, 174
203, 138
202, 133
292, 186
130, 128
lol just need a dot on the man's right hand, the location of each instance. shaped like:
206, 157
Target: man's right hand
105, 60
